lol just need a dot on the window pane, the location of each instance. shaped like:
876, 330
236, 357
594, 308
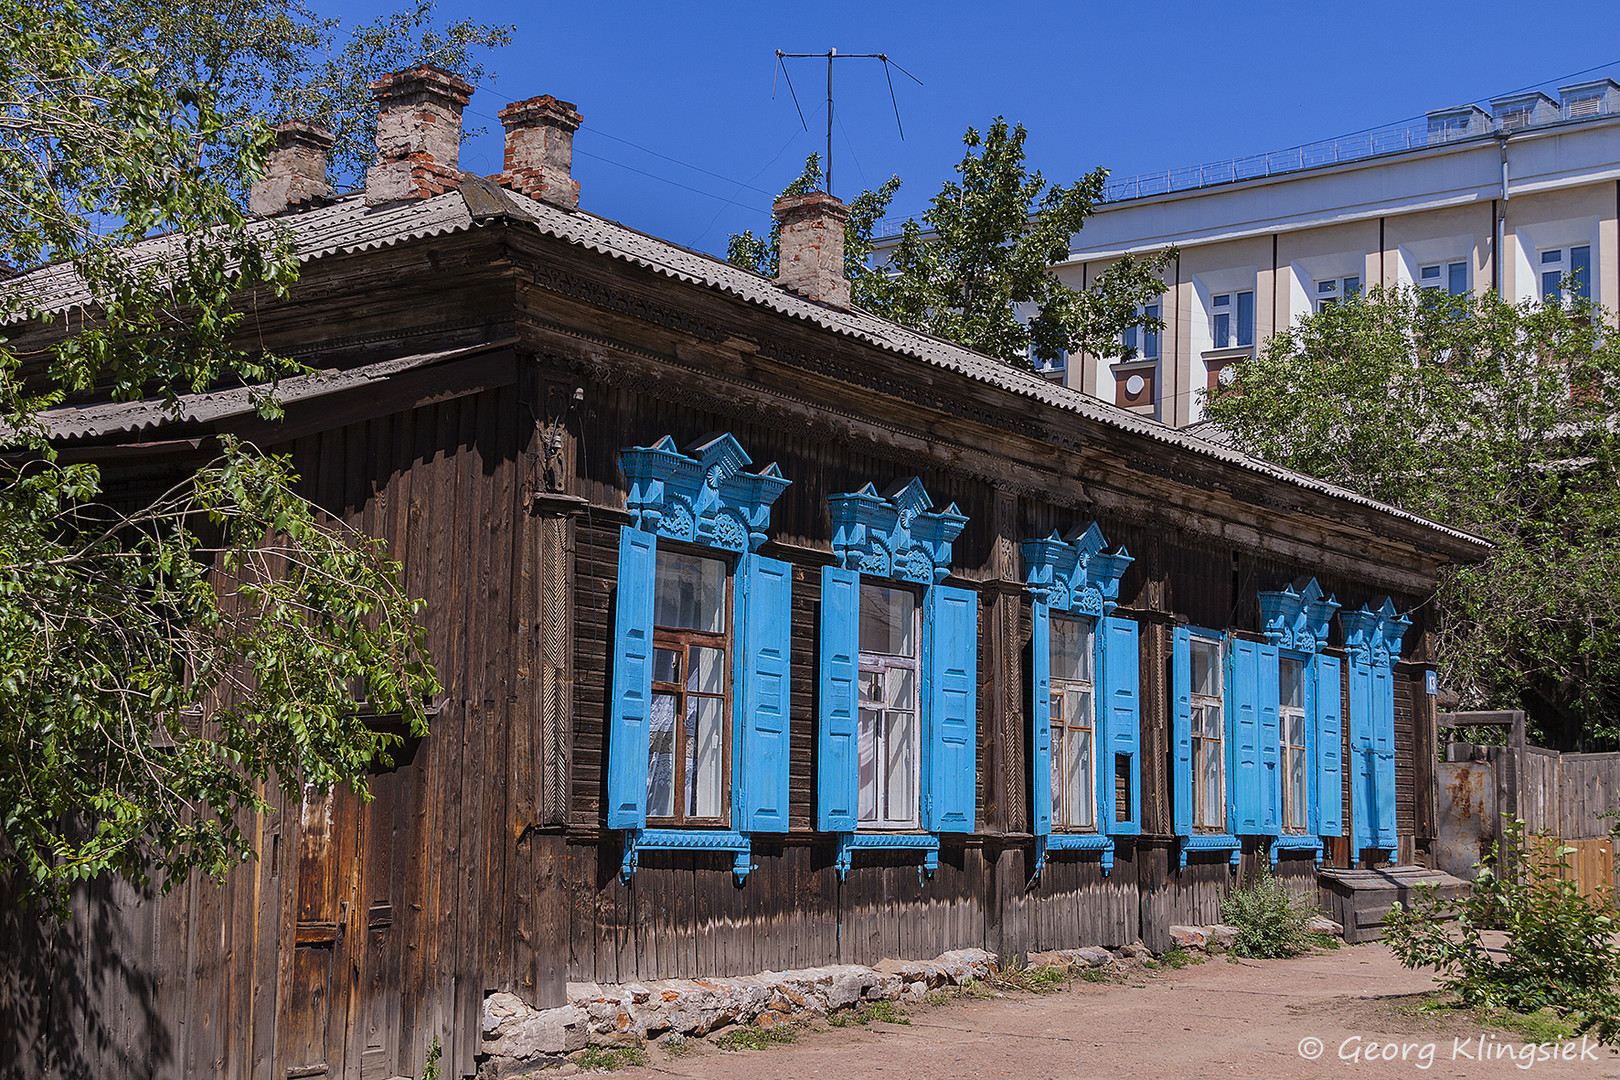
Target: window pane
1223, 330
1206, 668
705, 764
1352, 287
1223, 300
708, 675
1057, 772
1458, 283
1550, 257
661, 756
1296, 788
1078, 781
1296, 730
868, 737
1549, 285
690, 592
1580, 267
1072, 647
1327, 286
1430, 273
1128, 340
1245, 318
1150, 345
1212, 722
888, 621
902, 688
666, 665
899, 768
1207, 769
1292, 675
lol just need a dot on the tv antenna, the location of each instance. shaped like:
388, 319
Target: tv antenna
830, 55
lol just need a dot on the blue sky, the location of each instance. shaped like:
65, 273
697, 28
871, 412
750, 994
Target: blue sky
683, 139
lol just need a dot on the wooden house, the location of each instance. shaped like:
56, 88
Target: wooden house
772, 634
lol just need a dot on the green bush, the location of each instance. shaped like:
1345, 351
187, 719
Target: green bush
1560, 953
610, 1058
1270, 921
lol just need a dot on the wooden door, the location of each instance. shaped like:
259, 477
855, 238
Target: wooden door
321, 968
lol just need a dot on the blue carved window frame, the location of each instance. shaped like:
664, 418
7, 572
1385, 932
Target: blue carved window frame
1372, 641
1196, 837
1076, 576
1296, 623
888, 537
702, 499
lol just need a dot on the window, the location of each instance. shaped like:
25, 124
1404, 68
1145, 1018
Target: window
1450, 277
1291, 717
1074, 724
888, 731
688, 749
1149, 339
1566, 270
1051, 366
1333, 290
1208, 731
1232, 319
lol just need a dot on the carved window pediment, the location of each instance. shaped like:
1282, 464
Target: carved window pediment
896, 534
1297, 619
1075, 573
1373, 635
701, 494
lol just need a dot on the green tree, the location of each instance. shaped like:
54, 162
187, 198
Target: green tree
159, 664
1491, 417
982, 255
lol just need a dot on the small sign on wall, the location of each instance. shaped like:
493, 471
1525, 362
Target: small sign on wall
1431, 683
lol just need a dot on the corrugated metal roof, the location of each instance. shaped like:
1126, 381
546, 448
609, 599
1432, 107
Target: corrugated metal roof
132, 417
349, 225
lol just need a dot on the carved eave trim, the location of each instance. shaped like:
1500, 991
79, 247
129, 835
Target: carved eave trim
1373, 635
1075, 573
895, 534
701, 494
1297, 620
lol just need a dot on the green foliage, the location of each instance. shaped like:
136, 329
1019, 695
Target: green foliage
160, 664
884, 1012
430, 1069
279, 58
1560, 953
1323, 942
611, 1058
1177, 957
1491, 417
981, 253
753, 1038
1270, 921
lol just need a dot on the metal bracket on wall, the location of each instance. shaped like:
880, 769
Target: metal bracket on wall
1280, 844
1213, 842
927, 843
638, 840
1074, 842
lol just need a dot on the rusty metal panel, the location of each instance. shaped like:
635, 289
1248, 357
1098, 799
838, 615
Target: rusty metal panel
1466, 811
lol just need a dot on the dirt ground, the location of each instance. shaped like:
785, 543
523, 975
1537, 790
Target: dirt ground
1220, 1018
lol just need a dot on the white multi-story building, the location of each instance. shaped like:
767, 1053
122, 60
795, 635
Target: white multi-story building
1509, 197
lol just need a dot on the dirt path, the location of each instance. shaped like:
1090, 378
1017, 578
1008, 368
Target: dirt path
1216, 1019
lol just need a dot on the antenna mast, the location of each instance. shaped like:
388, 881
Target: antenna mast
831, 55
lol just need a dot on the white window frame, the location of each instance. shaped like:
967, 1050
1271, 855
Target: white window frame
1128, 337
1201, 704
1064, 723
1563, 264
1292, 809
1229, 304
1440, 281
1330, 291
881, 664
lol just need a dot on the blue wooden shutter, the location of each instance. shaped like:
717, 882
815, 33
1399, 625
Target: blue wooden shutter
766, 654
838, 780
1383, 756
1122, 681
1361, 772
1267, 677
950, 684
1243, 678
1328, 793
632, 679
1040, 741
1181, 784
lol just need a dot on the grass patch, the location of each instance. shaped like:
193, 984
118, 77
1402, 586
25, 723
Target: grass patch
973, 988
1037, 980
884, 1012
1177, 957
1317, 939
937, 997
1097, 975
676, 1045
753, 1038
610, 1058
1543, 1025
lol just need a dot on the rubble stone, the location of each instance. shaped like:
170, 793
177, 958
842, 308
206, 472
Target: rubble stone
1189, 937
1222, 937
1321, 924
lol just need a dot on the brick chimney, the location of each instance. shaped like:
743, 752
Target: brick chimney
296, 171
811, 256
540, 150
418, 134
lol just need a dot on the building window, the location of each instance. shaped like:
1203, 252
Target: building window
1450, 277
1291, 717
1232, 322
1566, 272
688, 747
1333, 290
1135, 336
1051, 366
1074, 724
889, 733
1208, 735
